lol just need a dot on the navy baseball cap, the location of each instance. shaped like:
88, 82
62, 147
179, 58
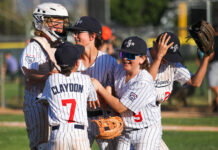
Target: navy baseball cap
87, 23
173, 54
67, 54
134, 45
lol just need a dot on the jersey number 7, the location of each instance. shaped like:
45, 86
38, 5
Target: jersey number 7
72, 109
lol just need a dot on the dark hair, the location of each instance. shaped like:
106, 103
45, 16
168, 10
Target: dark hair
98, 40
66, 70
145, 64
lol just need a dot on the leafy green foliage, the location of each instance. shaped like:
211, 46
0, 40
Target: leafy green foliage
11, 22
137, 12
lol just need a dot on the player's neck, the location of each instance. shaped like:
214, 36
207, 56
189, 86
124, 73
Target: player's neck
89, 56
131, 74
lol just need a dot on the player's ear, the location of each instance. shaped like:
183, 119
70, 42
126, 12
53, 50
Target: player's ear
92, 36
77, 63
142, 59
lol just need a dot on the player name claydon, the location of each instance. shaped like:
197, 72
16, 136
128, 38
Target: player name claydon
67, 88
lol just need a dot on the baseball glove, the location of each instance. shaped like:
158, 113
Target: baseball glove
110, 127
203, 34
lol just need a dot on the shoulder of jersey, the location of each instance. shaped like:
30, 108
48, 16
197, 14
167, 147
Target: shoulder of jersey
146, 76
105, 54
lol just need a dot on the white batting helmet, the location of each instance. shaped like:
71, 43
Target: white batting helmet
49, 10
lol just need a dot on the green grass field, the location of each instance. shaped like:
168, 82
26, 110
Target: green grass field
16, 138
203, 121
177, 140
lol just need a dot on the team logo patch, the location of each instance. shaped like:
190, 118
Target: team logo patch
175, 48
129, 43
79, 22
29, 59
132, 96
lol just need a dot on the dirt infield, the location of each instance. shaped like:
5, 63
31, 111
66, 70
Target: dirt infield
165, 127
11, 111
165, 114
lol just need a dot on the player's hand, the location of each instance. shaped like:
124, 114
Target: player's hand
96, 83
162, 46
210, 56
53, 71
92, 104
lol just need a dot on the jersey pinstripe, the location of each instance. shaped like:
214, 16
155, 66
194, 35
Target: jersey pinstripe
36, 117
102, 69
67, 98
167, 74
142, 119
33, 57
74, 90
139, 96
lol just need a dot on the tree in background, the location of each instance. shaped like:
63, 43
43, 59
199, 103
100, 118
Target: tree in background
138, 12
10, 21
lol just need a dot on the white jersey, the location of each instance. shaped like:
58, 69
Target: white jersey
67, 97
139, 96
102, 69
35, 57
167, 74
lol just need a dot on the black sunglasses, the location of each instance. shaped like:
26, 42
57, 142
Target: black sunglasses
129, 56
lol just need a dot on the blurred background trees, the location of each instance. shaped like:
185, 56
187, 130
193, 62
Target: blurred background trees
138, 12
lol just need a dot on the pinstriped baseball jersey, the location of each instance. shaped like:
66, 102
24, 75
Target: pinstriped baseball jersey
167, 74
33, 57
139, 96
36, 117
67, 97
102, 69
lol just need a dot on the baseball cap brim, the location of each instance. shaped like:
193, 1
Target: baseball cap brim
76, 29
130, 51
173, 57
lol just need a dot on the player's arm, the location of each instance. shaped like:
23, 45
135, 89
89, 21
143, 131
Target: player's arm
161, 49
197, 79
112, 101
33, 76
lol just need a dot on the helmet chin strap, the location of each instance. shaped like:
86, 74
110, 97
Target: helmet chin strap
54, 38
50, 33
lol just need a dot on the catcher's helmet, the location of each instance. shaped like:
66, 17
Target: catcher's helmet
46, 11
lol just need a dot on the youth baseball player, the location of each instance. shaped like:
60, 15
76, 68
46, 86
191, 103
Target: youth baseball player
136, 100
99, 65
67, 94
166, 68
37, 62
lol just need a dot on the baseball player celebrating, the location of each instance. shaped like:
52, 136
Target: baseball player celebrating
67, 94
37, 62
166, 68
136, 100
99, 65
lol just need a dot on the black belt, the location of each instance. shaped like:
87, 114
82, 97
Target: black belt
76, 126
135, 129
96, 113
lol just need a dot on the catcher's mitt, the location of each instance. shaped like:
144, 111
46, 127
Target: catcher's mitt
203, 34
110, 127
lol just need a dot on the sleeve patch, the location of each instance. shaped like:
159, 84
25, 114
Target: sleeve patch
132, 96
29, 59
